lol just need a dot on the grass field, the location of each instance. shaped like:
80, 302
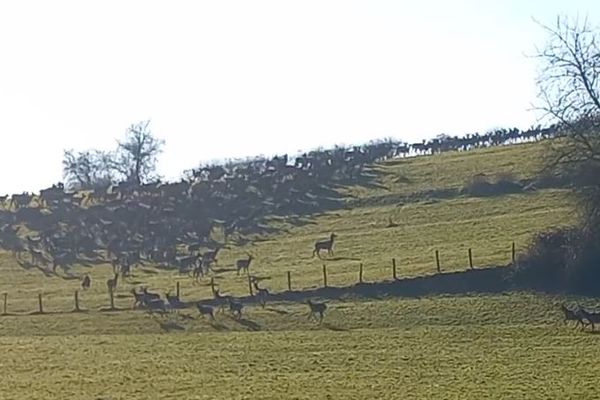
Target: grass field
510, 345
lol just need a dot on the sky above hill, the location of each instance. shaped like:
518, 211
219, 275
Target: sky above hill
227, 79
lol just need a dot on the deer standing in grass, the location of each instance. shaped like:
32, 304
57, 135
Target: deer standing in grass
316, 309
111, 284
220, 299
86, 282
324, 245
204, 310
236, 308
243, 265
210, 257
261, 293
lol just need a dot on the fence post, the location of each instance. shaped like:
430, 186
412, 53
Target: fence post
514, 253
5, 295
112, 298
212, 285
437, 261
360, 273
470, 258
250, 286
41, 307
324, 275
289, 276
77, 300
394, 269
177, 289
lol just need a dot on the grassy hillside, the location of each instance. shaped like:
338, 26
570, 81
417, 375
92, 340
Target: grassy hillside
436, 347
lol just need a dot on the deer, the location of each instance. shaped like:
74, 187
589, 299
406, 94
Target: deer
156, 305
210, 257
573, 314
235, 307
111, 284
174, 301
324, 245
37, 257
86, 282
187, 262
150, 297
261, 293
592, 317
243, 264
139, 299
316, 308
205, 310
220, 299
197, 273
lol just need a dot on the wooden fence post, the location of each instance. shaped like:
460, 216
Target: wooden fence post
112, 298
437, 261
470, 258
394, 269
250, 286
5, 295
324, 275
77, 300
177, 289
289, 279
41, 307
360, 273
514, 253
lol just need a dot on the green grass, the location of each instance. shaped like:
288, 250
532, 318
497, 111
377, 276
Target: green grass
440, 347
511, 345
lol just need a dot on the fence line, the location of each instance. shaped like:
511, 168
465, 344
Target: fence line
325, 283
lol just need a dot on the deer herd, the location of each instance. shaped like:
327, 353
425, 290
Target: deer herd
197, 265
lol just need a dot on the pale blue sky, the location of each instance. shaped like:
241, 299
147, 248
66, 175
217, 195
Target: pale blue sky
238, 78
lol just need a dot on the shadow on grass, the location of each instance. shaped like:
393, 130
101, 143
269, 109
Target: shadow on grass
493, 280
333, 327
275, 310
251, 325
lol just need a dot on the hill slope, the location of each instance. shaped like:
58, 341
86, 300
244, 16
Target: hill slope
437, 346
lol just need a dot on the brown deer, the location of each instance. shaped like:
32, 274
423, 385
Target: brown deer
220, 299
324, 245
261, 294
139, 299
86, 282
316, 309
243, 264
111, 284
235, 307
591, 316
210, 257
205, 310
197, 273
575, 314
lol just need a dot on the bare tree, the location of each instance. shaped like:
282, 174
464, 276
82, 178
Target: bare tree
569, 93
569, 88
137, 154
87, 169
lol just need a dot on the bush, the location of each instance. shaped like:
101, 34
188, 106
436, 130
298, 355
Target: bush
481, 186
562, 260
